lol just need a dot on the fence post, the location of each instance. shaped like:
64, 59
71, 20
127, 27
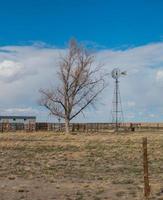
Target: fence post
146, 175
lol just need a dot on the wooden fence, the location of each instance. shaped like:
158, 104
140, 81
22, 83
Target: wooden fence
80, 127
96, 127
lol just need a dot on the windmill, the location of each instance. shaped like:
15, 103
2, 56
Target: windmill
117, 112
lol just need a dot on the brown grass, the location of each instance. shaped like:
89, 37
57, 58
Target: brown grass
43, 166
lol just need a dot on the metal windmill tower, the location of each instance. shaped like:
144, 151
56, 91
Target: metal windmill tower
117, 112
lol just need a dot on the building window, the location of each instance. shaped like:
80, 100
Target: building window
25, 119
14, 119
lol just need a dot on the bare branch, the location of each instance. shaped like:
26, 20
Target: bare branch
80, 84
87, 103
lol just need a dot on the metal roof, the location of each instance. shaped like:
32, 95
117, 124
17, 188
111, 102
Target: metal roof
17, 117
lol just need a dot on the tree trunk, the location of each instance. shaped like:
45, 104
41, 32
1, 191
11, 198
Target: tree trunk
67, 127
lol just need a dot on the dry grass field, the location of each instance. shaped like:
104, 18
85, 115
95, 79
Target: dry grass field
46, 166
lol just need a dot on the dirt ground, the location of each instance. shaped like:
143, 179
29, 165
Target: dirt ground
46, 166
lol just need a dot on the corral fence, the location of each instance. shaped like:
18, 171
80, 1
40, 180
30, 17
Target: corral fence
79, 127
99, 127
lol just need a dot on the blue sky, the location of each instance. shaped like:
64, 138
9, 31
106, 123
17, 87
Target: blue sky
126, 33
108, 23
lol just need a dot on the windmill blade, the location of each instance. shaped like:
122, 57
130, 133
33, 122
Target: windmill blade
124, 73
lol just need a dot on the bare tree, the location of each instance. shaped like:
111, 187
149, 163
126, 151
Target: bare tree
80, 84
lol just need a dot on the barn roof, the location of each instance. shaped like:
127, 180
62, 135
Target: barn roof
17, 117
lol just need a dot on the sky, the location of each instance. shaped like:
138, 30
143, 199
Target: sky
124, 33
109, 23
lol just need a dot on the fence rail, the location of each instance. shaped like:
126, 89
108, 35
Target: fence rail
79, 127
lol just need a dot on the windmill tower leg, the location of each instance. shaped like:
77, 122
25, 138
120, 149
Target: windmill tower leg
116, 104
117, 112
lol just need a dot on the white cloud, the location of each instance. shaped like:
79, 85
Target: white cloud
14, 111
159, 75
26, 69
11, 70
152, 115
131, 104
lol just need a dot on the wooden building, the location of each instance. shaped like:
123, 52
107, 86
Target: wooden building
16, 123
